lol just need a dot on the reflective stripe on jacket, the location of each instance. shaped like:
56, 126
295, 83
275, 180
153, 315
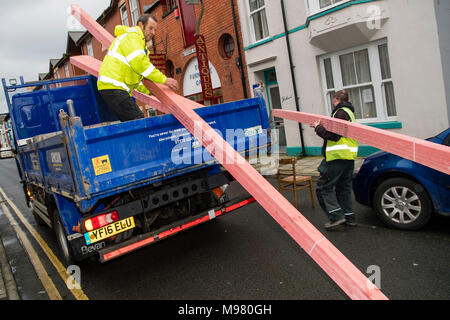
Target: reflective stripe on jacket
127, 63
344, 148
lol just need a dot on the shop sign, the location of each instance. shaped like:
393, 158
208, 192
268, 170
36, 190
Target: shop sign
203, 66
159, 61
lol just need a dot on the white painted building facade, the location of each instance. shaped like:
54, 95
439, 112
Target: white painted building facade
393, 56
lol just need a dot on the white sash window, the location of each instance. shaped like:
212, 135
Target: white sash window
316, 6
258, 19
365, 73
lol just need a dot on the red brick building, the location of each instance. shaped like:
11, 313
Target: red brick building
174, 37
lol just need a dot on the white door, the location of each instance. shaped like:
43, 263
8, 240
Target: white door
277, 123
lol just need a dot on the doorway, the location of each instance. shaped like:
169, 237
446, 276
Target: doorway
273, 94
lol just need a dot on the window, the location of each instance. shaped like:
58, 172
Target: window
315, 6
90, 50
258, 20
226, 46
170, 68
326, 3
169, 6
124, 15
134, 8
366, 74
66, 69
388, 86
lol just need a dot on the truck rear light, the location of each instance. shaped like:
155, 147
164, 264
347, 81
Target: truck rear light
220, 190
100, 221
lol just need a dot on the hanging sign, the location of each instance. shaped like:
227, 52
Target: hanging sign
203, 67
159, 61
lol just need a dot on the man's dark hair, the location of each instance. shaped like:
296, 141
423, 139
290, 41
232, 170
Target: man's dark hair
341, 96
144, 19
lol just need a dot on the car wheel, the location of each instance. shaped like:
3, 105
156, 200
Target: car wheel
403, 204
61, 237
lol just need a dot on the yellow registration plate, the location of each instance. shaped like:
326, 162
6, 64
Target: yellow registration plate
109, 230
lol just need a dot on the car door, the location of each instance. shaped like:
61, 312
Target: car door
443, 181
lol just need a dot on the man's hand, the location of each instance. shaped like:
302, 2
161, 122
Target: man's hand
172, 84
315, 124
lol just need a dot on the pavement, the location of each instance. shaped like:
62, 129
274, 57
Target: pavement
8, 287
267, 166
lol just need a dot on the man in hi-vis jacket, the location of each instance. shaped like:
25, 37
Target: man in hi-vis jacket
126, 64
334, 187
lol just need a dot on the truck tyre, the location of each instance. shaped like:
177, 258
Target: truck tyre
402, 204
61, 237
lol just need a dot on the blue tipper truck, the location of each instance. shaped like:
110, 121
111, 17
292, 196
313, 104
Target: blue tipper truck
108, 187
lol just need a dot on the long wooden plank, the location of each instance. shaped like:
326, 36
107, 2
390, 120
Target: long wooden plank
429, 154
328, 257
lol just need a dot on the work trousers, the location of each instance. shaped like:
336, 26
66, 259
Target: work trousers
334, 189
120, 102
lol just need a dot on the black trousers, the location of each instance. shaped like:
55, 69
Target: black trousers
334, 189
123, 106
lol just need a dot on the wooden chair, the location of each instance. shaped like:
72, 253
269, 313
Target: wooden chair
288, 180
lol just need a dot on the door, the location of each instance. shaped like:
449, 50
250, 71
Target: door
277, 123
444, 184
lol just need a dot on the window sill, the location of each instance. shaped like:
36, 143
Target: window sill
317, 13
385, 125
169, 12
260, 42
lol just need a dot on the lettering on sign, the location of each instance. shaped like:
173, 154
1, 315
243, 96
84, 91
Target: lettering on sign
159, 60
102, 165
203, 67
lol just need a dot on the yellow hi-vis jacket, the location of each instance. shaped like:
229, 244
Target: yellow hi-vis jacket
127, 63
344, 148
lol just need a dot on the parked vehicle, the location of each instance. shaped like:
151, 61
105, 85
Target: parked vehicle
108, 187
403, 193
5, 137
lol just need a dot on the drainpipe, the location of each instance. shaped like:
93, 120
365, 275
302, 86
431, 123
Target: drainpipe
293, 76
238, 41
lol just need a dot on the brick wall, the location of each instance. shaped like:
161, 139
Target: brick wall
217, 20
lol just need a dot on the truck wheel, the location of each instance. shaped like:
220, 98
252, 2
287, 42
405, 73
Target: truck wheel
403, 204
61, 237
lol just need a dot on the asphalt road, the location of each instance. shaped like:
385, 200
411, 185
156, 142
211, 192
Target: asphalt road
245, 255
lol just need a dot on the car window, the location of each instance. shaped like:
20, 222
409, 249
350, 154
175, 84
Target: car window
447, 140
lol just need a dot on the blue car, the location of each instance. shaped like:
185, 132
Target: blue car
403, 193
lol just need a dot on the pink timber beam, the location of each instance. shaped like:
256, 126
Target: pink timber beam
322, 251
427, 153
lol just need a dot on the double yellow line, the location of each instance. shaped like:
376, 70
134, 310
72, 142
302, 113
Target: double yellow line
47, 282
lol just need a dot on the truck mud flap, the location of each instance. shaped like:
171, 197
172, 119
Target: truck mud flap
146, 239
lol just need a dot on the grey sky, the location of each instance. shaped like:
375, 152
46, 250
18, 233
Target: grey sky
34, 31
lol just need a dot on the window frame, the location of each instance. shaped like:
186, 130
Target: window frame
66, 70
89, 47
313, 6
377, 82
122, 19
171, 5
251, 24
136, 2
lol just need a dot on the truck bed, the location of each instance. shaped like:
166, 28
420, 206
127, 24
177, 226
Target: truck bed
89, 163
